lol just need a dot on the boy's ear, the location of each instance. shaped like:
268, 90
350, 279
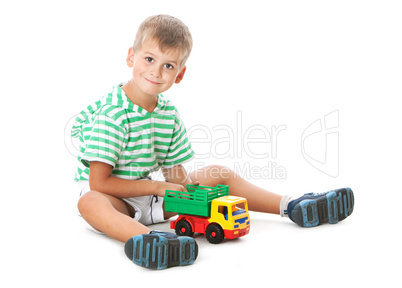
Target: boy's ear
180, 75
130, 57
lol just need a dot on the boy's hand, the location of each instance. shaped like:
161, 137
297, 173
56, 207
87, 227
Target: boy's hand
172, 186
177, 175
169, 186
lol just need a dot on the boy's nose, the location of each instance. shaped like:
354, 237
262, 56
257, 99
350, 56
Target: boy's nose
155, 72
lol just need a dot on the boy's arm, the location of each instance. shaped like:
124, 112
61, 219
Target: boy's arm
101, 180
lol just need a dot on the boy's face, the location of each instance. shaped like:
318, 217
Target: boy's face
154, 71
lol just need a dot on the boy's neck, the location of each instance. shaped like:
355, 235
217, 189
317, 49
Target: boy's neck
148, 102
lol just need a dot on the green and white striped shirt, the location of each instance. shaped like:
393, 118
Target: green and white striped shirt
133, 141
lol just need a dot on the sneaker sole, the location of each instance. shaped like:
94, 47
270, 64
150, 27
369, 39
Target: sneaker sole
158, 252
331, 208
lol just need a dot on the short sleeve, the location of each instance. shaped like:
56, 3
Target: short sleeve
180, 149
104, 140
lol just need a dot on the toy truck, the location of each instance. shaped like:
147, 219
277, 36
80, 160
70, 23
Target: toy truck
210, 211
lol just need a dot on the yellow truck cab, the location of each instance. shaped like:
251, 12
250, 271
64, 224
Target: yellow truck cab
231, 213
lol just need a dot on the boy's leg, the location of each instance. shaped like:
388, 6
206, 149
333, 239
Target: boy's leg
151, 249
110, 215
309, 210
258, 199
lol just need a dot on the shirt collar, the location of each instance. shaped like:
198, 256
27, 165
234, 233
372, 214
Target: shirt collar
119, 98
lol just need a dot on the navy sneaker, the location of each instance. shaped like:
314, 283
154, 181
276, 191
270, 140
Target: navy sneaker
313, 209
160, 250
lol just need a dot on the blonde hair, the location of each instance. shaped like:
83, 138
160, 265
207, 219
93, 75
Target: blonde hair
169, 32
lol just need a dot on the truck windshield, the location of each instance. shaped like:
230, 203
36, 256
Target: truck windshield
238, 209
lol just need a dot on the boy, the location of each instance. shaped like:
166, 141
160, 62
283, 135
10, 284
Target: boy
134, 131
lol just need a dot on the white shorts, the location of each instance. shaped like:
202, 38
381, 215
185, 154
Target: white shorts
148, 209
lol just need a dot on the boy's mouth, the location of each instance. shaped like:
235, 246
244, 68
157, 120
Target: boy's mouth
152, 82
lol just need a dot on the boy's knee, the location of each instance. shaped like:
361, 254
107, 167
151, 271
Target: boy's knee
222, 173
87, 202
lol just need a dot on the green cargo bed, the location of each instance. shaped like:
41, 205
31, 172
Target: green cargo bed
197, 201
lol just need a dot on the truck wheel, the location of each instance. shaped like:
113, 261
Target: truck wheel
183, 228
214, 233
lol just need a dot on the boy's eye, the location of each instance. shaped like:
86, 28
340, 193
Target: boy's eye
149, 59
169, 66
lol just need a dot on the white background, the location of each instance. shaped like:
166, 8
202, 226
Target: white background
278, 63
